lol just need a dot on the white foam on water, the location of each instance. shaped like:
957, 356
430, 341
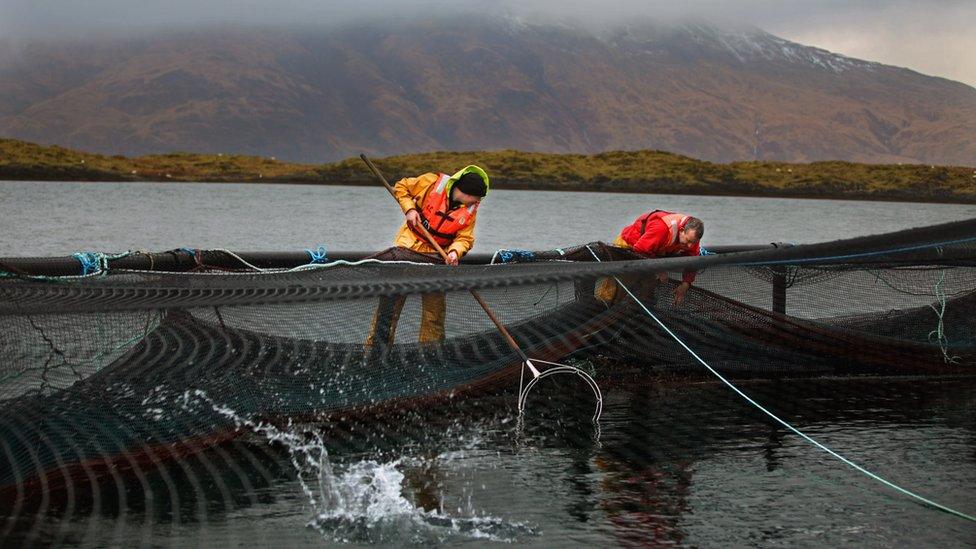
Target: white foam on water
364, 501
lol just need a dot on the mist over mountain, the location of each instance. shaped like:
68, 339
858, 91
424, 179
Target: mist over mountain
317, 94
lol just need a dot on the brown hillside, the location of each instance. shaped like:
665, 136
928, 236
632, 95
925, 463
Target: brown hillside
316, 96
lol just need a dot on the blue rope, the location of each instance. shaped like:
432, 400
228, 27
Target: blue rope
91, 262
863, 254
782, 422
939, 332
318, 255
794, 429
190, 251
515, 255
704, 251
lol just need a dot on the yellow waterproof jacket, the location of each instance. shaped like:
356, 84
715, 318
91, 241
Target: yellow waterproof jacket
410, 193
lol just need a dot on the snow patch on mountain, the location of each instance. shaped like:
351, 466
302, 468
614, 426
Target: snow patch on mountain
745, 45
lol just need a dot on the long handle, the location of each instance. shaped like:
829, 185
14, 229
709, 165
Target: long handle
423, 230
389, 188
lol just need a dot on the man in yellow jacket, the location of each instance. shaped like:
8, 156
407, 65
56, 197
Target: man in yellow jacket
447, 207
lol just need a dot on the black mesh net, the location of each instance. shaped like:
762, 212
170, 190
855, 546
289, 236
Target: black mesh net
102, 373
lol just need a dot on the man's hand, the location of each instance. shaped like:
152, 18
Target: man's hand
452, 258
679, 293
413, 218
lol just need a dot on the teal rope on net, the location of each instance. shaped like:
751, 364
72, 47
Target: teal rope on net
782, 422
508, 256
95, 263
318, 255
90, 262
938, 334
821, 259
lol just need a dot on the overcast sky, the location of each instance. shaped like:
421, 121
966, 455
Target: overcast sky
933, 37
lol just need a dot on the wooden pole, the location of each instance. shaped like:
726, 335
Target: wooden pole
423, 230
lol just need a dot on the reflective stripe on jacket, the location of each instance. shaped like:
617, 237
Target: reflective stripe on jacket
656, 234
673, 221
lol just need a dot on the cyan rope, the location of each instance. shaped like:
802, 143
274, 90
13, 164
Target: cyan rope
308, 266
938, 334
93, 263
90, 262
507, 256
864, 254
318, 255
783, 422
879, 278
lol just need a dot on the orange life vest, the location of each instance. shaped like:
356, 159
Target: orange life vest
675, 223
443, 224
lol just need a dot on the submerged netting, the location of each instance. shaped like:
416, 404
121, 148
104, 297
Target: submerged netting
100, 373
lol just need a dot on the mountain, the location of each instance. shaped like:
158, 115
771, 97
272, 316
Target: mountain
317, 94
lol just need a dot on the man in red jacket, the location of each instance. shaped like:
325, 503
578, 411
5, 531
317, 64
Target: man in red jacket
662, 234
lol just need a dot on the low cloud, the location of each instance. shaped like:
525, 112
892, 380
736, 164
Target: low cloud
930, 37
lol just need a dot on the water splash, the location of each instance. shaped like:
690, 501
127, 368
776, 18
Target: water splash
364, 501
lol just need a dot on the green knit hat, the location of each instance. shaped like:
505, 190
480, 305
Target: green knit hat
466, 170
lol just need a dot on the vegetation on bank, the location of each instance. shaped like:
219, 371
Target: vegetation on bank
619, 171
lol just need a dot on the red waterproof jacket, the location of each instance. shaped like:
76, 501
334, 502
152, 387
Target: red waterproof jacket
656, 234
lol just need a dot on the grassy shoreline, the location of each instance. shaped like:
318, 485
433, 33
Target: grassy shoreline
646, 172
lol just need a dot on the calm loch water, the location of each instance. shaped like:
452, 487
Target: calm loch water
40, 218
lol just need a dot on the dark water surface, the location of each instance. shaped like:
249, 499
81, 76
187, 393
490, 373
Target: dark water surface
686, 464
682, 463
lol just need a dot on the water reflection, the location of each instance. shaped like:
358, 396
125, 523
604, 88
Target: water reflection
672, 457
